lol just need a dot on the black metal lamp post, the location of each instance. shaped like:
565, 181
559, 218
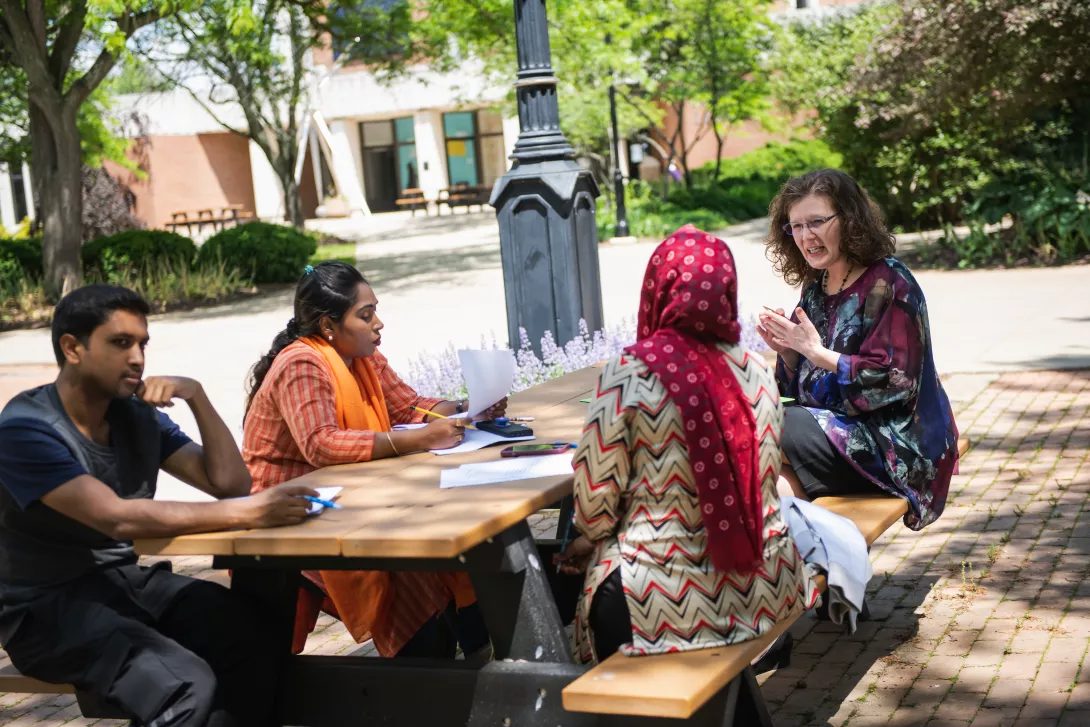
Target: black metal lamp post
621, 230
545, 206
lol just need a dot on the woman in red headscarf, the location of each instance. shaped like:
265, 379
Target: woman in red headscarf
675, 476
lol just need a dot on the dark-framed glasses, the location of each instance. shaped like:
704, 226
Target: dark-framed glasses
796, 228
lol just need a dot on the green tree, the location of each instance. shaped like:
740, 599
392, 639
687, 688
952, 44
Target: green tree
709, 52
42, 40
593, 43
255, 57
658, 52
934, 103
732, 40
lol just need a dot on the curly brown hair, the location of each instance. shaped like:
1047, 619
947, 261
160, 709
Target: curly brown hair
863, 234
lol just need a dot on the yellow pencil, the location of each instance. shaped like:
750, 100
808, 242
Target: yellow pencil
434, 414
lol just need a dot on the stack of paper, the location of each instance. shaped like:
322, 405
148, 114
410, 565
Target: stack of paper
488, 376
507, 470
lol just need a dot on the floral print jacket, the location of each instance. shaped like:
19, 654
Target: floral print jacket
884, 408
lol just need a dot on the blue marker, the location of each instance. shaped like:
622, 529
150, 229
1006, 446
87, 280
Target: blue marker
323, 503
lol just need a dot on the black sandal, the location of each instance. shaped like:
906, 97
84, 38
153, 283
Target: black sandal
778, 656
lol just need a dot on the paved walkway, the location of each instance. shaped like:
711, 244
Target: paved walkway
982, 618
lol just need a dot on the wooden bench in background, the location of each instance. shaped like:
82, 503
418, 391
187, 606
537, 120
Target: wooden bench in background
463, 195
713, 687
234, 214
413, 199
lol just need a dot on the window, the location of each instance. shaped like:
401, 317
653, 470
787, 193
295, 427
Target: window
399, 137
460, 130
493, 150
407, 172
475, 148
18, 192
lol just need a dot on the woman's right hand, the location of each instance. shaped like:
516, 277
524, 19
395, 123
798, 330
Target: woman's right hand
771, 341
576, 557
442, 434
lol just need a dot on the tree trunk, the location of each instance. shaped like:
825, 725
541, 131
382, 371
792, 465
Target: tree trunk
56, 165
293, 203
719, 139
683, 157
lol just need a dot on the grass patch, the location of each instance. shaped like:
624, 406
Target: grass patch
344, 252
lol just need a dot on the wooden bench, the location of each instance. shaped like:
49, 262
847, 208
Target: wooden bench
463, 195
703, 686
413, 199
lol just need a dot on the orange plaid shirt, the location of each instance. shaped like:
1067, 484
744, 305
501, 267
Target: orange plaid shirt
291, 429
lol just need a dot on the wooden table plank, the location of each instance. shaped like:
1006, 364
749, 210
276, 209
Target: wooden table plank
445, 523
394, 507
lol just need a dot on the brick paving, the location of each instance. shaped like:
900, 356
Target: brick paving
983, 618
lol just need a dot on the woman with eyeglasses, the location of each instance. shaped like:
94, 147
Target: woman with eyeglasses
855, 354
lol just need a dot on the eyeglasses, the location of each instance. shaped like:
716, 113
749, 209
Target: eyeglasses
796, 228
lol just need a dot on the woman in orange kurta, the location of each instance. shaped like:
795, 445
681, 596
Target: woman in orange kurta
324, 395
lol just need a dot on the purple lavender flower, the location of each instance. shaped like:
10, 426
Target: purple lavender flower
440, 374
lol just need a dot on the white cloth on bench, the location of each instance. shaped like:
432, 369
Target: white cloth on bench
835, 545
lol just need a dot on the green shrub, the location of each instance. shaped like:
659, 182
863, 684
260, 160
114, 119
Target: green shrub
139, 250
268, 253
1049, 224
775, 162
933, 102
649, 216
22, 255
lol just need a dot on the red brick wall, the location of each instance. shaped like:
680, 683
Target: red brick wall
744, 137
189, 173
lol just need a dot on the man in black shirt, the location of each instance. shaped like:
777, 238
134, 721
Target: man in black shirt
78, 465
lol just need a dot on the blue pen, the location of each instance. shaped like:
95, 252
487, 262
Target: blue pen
564, 542
323, 503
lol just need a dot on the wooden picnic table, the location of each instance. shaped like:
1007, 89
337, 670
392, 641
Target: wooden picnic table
230, 214
395, 517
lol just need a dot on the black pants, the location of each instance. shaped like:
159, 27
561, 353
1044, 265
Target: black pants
199, 657
610, 619
822, 470
437, 638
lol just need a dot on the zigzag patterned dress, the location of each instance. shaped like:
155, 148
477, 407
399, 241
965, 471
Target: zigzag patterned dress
636, 498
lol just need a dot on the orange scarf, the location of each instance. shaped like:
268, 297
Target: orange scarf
360, 403
362, 599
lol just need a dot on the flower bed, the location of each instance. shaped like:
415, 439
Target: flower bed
440, 374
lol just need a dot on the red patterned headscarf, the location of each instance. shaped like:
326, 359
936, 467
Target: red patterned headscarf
689, 304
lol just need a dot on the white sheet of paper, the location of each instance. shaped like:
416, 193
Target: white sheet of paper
324, 493
475, 439
488, 376
506, 470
